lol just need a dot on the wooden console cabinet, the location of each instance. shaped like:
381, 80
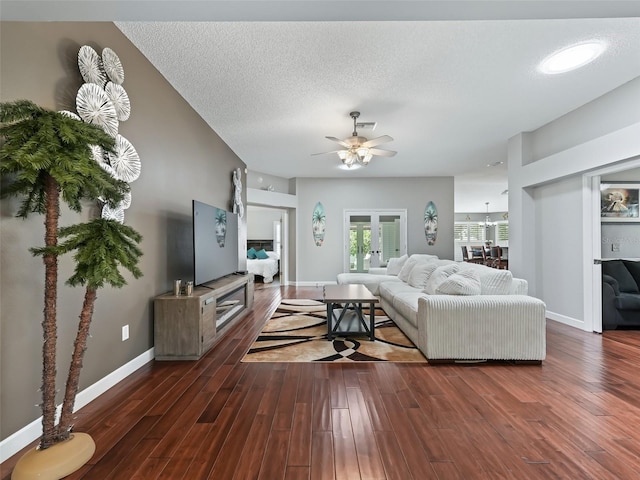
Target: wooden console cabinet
185, 326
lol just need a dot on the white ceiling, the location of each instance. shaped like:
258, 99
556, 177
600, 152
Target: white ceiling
451, 82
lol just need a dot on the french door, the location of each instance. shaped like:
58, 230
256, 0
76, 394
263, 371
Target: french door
372, 237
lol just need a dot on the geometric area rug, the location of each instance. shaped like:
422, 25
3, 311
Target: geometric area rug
297, 332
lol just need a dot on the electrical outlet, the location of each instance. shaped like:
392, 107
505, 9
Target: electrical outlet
125, 333
615, 247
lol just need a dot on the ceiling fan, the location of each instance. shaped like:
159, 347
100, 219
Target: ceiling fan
359, 149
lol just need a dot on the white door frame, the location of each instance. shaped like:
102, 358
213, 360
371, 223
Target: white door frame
347, 213
592, 242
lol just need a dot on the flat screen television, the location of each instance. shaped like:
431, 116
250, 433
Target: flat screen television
215, 243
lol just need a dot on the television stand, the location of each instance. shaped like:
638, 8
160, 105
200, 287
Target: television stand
186, 327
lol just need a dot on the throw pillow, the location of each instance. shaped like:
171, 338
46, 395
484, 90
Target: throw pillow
404, 272
394, 265
251, 253
438, 276
464, 282
492, 280
424, 256
421, 273
261, 254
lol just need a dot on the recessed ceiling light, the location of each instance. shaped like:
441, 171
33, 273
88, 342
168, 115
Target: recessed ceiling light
572, 57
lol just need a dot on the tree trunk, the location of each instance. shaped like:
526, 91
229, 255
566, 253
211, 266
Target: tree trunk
49, 327
79, 348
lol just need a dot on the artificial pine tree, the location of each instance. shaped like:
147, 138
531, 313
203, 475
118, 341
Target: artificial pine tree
46, 156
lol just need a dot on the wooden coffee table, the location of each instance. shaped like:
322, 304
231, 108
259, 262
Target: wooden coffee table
344, 309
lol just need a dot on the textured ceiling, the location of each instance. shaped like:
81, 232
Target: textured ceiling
450, 93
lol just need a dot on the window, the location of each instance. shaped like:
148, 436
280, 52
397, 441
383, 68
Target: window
469, 232
502, 232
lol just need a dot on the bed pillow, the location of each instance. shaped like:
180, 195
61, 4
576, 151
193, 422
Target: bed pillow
394, 265
273, 255
261, 254
251, 253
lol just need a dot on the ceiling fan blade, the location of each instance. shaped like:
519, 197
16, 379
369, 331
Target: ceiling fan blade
341, 142
377, 141
382, 153
326, 153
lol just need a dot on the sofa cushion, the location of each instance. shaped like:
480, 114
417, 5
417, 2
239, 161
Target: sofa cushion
628, 301
406, 304
394, 265
439, 275
464, 282
372, 282
634, 270
618, 270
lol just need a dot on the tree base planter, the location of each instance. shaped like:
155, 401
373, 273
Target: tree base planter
57, 461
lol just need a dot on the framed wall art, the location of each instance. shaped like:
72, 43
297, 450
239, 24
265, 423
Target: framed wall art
619, 202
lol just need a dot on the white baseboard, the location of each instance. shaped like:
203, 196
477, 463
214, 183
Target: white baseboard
572, 322
23, 437
314, 284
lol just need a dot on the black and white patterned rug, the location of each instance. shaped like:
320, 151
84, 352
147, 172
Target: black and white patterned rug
297, 332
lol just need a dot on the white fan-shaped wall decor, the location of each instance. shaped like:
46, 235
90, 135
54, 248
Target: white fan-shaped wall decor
95, 106
116, 214
99, 155
69, 114
120, 100
90, 65
112, 66
126, 201
109, 169
125, 161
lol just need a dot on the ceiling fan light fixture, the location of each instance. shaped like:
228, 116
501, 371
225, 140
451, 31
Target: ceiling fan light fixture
362, 153
358, 151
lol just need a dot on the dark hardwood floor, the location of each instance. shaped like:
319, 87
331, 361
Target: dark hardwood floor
575, 416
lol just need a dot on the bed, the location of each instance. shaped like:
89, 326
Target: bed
265, 268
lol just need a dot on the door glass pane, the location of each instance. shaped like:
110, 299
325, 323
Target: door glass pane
359, 243
388, 238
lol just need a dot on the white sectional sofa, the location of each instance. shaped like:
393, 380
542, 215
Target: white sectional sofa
456, 311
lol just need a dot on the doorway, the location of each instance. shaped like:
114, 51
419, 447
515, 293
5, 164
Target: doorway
271, 225
372, 237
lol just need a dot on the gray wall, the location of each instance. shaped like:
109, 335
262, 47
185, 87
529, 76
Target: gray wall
260, 222
322, 264
599, 134
182, 159
558, 240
